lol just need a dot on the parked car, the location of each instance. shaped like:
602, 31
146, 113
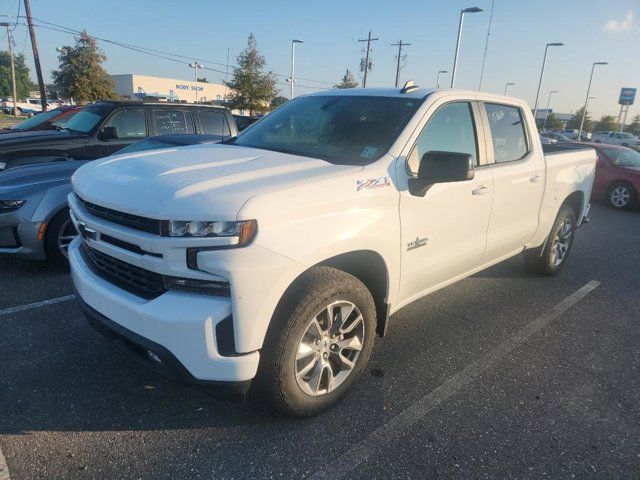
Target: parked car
34, 218
55, 119
616, 138
243, 121
30, 106
617, 179
546, 140
277, 255
103, 128
573, 133
558, 137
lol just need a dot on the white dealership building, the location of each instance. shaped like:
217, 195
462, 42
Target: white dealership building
142, 87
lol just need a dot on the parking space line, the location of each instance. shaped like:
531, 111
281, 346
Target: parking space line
31, 306
342, 466
4, 470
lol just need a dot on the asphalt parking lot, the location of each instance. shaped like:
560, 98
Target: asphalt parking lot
503, 375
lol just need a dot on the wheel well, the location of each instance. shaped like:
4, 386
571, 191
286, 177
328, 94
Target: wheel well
370, 268
574, 202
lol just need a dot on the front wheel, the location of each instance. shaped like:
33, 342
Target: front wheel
551, 257
319, 342
60, 233
621, 196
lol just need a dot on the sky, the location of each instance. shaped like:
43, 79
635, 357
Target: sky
593, 30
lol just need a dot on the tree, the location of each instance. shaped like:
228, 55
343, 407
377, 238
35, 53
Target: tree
553, 123
251, 88
24, 85
347, 81
81, 75
634, 126
607, 123
276, 102
575, 120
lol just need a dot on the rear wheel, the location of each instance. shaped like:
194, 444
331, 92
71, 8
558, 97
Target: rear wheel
318, 344
60, 233
621, 196
551, 257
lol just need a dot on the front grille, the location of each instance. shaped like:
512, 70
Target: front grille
127, 219
135, 280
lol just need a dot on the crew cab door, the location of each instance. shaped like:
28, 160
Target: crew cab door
122, 128
444, 232
518, 179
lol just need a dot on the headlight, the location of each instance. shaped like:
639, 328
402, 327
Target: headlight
6, 205
245, 230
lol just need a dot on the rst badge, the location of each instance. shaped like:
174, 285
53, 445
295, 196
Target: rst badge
417, 243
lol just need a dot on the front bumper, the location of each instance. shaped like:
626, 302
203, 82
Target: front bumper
178, 328
20, 237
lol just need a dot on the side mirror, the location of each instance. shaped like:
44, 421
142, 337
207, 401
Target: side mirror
109, 133
441, 167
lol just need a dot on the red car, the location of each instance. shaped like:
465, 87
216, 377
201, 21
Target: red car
617, 179
49, 120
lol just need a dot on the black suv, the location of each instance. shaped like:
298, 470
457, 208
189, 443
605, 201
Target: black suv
103, 128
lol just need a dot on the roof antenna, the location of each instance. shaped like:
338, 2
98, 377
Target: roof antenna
409, 87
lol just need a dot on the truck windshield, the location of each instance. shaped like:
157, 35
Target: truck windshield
623, 157
352, 130
86, 119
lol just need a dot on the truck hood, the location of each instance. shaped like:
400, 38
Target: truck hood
37, 137
200, 182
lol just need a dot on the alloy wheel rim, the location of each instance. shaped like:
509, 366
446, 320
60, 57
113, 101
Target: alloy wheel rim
66, 235
562, 242
620, 196
329, 348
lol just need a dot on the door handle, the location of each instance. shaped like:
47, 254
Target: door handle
481, 191
536, 178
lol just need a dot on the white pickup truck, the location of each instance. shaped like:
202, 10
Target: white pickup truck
273, 261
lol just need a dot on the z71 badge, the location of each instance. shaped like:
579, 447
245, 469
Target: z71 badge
372, 183
417, 243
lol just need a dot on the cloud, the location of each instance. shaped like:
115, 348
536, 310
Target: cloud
620, 26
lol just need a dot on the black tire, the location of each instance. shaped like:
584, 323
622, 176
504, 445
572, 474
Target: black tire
309, 295
616, 196
54, 230
544, 260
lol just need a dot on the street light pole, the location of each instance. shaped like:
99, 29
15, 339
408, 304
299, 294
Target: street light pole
196, 66
546, 115
455, 58
440, 72
586, 100
13, 68
507, 85
293, 63
544, 62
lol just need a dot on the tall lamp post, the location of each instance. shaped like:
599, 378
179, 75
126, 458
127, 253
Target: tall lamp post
546, 114
440, 72
13, 68
586, 100
455, 58
196, 66
292, 79
507, 85
544, 62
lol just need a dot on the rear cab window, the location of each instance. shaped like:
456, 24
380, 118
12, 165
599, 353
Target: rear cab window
508, 132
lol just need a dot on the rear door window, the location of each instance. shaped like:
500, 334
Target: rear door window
214, 123
507, 131
129, 124
173, 122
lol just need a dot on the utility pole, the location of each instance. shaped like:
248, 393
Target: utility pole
366, 65
196, 66
293, 63
36, 56
13, 68
399, 45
